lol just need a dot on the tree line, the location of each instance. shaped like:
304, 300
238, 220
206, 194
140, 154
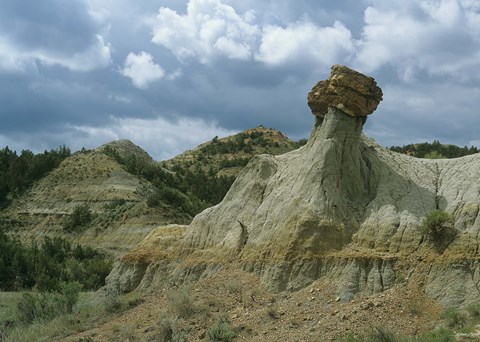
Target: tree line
49, 264
19, 172
188, 191
434, 150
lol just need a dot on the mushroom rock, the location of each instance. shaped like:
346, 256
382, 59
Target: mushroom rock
340, 208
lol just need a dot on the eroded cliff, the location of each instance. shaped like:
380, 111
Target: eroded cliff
340, 207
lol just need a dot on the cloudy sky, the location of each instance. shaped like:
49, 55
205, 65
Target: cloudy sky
171, 74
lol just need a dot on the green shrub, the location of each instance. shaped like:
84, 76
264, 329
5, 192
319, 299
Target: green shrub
45, 306
437, 225
453, 318
70, 292
168, 331
44, 265
350, 337
27, 307
112, 302
234, 286
380, 334
474, 311
180, 302
438, 335
115, 203
79, 219
434, 155
220, 332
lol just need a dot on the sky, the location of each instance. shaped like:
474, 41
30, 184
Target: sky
172, 74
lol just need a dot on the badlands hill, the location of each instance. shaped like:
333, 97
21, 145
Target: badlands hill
117, 182
227, 156
95, 179
340, 211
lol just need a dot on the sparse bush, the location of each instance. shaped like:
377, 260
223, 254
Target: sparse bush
351, 337
434, 155
79, 219
381, 334
46, 306
272, 311
45, 265
112, 302
474, 311
233, 286
220, 332
131, 303
438, 335
168, 331
181, 303
300, 143
437, 225
27, 307
70, 292
114, 204
454, 319
378, 334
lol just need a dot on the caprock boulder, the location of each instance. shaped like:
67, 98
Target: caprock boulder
340, 207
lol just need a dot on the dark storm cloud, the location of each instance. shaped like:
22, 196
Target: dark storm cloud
86, 72
53, 25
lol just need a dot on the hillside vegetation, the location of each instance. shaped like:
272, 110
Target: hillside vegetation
111, 197
434, 150
200, 178
19, 172
48, 264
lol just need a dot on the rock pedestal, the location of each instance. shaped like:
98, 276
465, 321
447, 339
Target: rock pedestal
340, 207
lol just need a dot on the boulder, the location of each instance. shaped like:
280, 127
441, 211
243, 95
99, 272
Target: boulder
347, 90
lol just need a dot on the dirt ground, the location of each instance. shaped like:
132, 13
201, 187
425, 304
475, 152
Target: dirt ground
312, 314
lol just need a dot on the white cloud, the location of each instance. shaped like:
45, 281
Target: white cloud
208, 29
98, 55
174, 75
142, 70
10, 59
424, 112
119, 98
439, 37
16, 59
302, 41
211, 28
161, 138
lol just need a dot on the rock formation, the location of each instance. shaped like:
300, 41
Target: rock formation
347, 90
340, 207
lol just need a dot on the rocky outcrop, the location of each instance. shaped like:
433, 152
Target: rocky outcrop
347, 90
340, 207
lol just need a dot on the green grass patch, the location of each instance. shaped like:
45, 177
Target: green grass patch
89, 311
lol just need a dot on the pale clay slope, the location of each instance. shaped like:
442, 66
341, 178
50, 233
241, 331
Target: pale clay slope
340, 192
340, 208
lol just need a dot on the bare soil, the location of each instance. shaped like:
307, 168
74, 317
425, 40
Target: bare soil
255, 314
